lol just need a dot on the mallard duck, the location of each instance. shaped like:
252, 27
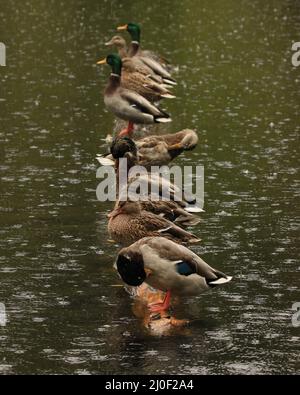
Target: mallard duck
129, 223
142, 84
178, 212
168, 267
124, 147
136, 63
162, 149
161, 190
126, 104
174, 211
135, 76
134, 51
135, 47
157, 150
120, 43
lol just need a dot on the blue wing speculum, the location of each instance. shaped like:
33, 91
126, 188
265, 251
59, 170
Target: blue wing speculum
184, 269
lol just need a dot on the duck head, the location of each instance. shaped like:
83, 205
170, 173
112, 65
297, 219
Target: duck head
190, 139
114, 61
126, 207
117, 41
130, 266
124, 147
129, 207
133, 29
121, 146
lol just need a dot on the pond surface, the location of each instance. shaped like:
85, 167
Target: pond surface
238, 88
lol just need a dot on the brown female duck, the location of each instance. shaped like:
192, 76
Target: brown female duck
161, 150
140, 83
128, 223
178, 209
158, 75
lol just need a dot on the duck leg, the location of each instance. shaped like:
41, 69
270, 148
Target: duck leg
157, 307
128, 131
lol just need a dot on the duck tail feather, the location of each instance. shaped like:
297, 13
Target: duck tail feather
220, 281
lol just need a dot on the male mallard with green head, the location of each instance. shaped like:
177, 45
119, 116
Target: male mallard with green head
156, 150
169, 267
135, 47
134, 51
126, 104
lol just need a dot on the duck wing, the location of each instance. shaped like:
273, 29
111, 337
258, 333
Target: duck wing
159, 224
181, 234
157, 68
186, 261
171, 211
143, 105
158, 58
162, 188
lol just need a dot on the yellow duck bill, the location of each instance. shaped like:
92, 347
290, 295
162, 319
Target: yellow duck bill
124, 27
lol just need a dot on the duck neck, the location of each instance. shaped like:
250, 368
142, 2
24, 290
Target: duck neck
134, 48
115, 77
135, 33
113, 84
122, 168
123, 52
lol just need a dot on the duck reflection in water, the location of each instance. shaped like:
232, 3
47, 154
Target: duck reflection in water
161, 323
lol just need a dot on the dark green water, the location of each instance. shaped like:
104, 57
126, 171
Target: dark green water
239, 89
